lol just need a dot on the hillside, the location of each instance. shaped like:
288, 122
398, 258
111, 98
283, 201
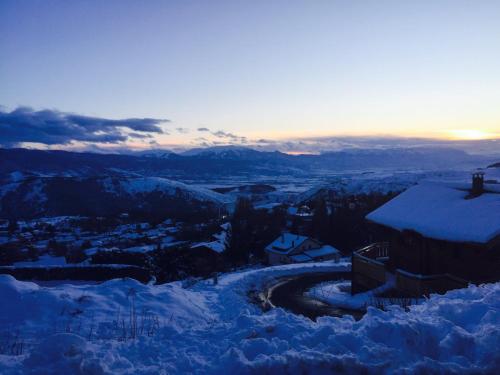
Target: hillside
96, 196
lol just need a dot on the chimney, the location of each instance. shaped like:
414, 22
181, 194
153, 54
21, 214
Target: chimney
477, 184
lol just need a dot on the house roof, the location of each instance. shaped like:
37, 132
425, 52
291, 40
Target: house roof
442, 212
322, 251
301, 258
216, 246
286, 243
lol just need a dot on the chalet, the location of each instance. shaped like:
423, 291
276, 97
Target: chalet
293, 248
204, 258
214, 246
304, 212
438, 238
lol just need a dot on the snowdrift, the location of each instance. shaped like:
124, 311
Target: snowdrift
210, 328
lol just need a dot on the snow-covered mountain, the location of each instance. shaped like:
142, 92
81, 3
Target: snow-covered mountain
154, 153
220, 151
34, 182
236, 153
233, 161
103, 196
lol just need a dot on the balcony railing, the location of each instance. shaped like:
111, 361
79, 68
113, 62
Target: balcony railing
378, 252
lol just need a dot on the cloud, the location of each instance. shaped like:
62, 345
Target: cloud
230, 136
221, 138
139, 135
265, 141
182, 130
51, 127
318, 145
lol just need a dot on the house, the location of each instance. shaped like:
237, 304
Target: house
215, 246
221, 242
303, 212
205, 257
439, 237
293, 248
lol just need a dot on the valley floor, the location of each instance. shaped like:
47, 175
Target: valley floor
125, 327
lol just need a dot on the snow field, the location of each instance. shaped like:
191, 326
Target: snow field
213, 329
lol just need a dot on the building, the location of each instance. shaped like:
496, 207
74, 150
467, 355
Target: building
220, 244
293, 248
438, 238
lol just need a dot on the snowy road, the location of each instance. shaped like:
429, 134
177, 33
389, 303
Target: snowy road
291, 294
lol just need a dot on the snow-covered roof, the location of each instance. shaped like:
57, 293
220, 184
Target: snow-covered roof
216, 246
301, 258
322, 251
286, 243
140, 249
442, 212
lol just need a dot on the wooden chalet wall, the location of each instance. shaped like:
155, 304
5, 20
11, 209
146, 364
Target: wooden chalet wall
414, 253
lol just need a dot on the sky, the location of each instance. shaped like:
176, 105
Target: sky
202, 73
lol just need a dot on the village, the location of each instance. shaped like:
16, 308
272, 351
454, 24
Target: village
54, 247
385, 240
259, 264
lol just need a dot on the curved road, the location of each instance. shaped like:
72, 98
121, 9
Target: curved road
289, 293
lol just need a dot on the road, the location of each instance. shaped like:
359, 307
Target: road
290, 293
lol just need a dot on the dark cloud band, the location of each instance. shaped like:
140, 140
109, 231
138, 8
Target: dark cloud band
54, 127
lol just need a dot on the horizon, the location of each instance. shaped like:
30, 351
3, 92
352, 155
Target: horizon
85, 75
488, 147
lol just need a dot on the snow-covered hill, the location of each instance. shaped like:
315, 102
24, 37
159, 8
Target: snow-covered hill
146, 185
124, 327
221, 152
155, 153
103, 196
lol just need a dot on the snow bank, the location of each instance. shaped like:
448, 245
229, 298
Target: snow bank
338, 293
41, 310
215, 330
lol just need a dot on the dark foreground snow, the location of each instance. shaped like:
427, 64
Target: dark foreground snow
214, 329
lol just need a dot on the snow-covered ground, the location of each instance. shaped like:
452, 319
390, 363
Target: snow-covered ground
338, 293
124, 327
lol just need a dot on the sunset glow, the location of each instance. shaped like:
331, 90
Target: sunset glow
325, 69
470, 134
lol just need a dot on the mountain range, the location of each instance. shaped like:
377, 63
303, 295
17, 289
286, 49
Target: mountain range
35, 183
228, 161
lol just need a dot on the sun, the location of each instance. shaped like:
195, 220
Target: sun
469, 134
